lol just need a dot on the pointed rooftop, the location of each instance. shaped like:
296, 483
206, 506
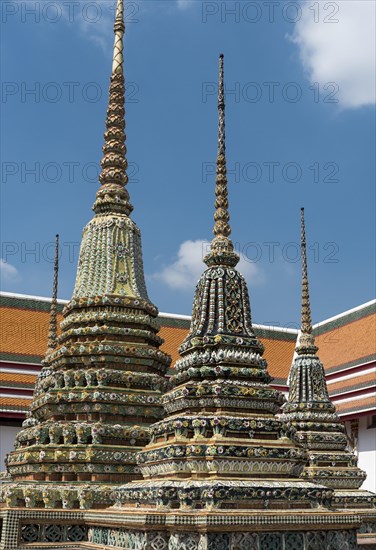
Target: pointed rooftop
113, 196
306, 339
221, 310
222, 249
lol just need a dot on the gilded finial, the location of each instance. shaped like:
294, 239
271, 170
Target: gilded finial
112, 195
306, 340
52, 332
222, 249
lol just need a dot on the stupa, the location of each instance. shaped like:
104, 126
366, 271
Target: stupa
319, 429
222, 471
102, 379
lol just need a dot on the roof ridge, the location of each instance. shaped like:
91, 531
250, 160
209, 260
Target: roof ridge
31, 297
345, 313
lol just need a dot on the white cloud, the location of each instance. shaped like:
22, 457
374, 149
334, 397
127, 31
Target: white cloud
95, 20
342, 52
187, 268
96, 23
7, 271
184, 272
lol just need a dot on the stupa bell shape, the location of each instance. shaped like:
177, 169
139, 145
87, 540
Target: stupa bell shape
102, 381
110, 262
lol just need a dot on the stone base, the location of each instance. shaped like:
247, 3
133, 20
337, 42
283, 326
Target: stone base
24, 528
116, 529
159, 540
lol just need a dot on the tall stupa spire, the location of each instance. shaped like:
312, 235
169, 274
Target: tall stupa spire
222, 249
222, 229
306, 340
113, 196
306, 308
221, 108
52, 332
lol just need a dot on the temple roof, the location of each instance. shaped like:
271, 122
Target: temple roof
353, 337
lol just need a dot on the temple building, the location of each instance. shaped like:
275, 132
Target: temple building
143, 431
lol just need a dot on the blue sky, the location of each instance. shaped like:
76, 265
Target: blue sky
300, 132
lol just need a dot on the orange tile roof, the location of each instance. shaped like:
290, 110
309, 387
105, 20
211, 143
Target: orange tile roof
24, 331
25, 326
353, 383
279, 354
15, 402
346, 343
355, 405
10, 377
173, 338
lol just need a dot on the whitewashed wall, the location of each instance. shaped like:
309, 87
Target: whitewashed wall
367, 453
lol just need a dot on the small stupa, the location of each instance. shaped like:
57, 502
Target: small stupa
311, 412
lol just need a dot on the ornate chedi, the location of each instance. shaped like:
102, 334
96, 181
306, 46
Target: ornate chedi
222, 471
318, 427
102, 381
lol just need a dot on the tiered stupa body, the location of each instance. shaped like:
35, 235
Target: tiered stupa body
221, 471
319, 429
101, 384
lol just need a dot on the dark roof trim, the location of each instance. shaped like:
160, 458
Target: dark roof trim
174, 322
275, 334
26, 387
28, 304
19, 358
